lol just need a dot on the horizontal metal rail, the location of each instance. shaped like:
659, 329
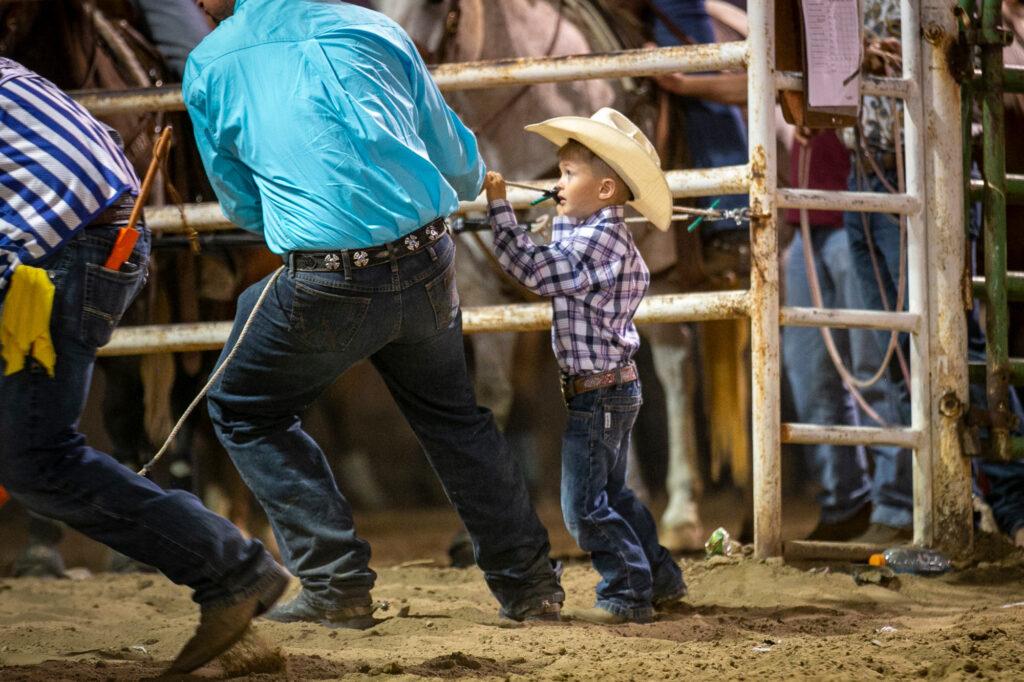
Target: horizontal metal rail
811, 550
976, 372
813, 434
478, 75
172, 338
624, 63
207, 217
1014, 189
850, 319
487, 74
899, 88
867, 202
1014, 286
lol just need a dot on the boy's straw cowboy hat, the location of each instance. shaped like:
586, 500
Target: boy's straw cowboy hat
620, 144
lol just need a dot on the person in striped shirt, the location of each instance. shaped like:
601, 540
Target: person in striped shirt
596, 278
66, 189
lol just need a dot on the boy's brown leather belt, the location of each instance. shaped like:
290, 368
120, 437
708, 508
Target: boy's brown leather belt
332, 261
583, 383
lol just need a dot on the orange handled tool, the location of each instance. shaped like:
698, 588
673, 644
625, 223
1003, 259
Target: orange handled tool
128, 235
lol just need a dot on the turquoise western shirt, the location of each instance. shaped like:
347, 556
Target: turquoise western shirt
320, 126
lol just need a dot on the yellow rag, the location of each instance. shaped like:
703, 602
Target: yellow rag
25, 324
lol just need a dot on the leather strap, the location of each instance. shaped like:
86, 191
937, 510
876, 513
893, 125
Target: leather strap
332, 261
584, 383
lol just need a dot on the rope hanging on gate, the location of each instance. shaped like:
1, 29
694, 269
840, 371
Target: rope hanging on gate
144, 471
890, 61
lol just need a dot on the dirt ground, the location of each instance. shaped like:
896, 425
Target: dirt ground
743, 619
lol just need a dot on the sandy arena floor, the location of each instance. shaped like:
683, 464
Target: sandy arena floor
744, 619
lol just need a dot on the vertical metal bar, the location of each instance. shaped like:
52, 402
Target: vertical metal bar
946, 324
917, 268
994, 169
764, 279
966, 111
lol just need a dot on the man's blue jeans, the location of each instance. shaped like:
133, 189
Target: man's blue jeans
821, 398
404, 316
47, 466
602, 513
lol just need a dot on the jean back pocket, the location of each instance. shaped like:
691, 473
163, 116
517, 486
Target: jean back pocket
326, 322
107, 295
444, 298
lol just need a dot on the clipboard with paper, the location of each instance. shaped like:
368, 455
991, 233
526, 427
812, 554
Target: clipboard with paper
822, 39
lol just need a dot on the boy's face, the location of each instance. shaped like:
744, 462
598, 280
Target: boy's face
581, 193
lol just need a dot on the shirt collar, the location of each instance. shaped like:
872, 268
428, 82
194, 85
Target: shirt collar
609, 214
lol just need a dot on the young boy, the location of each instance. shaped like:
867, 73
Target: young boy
596, 278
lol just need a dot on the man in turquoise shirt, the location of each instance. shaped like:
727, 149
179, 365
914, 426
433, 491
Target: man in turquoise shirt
321, 128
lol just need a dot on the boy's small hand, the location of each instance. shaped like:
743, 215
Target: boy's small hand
494, 185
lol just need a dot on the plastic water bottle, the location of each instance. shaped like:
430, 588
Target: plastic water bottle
911, 560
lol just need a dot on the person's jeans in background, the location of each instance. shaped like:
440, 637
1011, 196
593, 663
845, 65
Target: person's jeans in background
404, 316
821, 398
47, 466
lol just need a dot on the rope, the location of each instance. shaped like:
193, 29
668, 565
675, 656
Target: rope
852, 383
897, 132
144, 471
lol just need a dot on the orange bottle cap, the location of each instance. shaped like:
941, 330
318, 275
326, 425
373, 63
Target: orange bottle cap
877, 560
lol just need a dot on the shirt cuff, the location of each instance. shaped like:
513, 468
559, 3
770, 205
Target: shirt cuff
502, 214
498, 204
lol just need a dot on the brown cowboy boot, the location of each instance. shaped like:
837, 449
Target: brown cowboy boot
220, 627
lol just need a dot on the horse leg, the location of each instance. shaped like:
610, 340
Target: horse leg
672, 350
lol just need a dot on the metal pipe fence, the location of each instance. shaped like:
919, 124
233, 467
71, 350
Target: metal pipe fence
929, 326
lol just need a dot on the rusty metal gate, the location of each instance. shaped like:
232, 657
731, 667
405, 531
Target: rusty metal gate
932, 203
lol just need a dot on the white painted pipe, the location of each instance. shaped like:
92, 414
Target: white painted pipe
170, 338
815, 434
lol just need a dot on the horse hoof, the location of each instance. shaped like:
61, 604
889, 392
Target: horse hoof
686, 537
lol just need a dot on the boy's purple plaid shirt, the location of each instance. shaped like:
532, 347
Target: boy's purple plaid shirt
594, 275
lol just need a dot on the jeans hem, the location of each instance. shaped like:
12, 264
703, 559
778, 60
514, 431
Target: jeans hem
266, 575
894, 517
832, 517
346, 602
677, 592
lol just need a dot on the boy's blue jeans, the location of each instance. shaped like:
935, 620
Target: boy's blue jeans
602, 513
46, 464
404, 316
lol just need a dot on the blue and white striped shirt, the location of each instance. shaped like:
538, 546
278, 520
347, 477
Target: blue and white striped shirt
595, 277
59, 168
